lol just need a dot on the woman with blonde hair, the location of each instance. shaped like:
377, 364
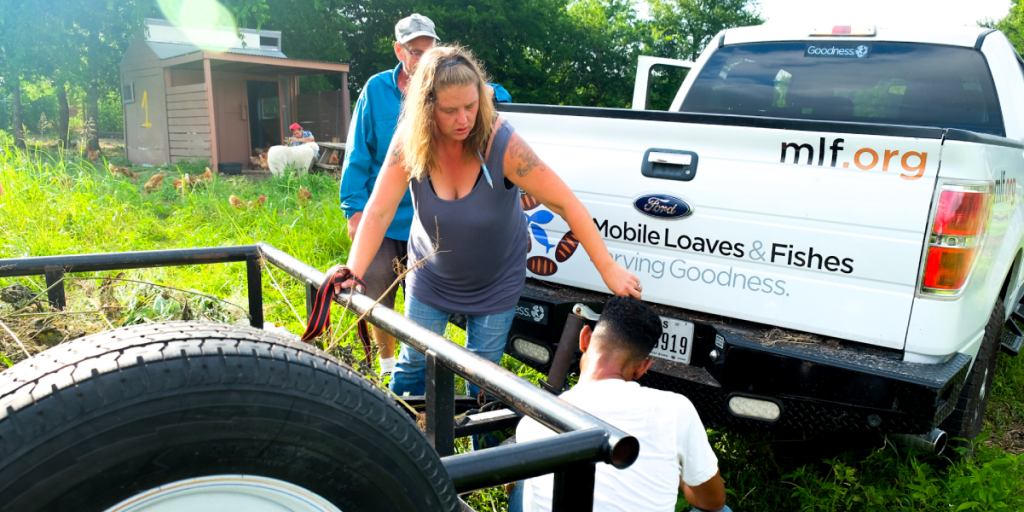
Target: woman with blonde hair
465, 165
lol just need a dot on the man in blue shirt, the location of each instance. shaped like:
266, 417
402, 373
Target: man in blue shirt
300, 136
369, 135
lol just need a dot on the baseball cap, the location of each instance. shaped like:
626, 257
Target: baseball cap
414, 26
295, 126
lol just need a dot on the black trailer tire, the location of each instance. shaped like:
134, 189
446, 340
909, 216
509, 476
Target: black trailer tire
968, 417
93, 422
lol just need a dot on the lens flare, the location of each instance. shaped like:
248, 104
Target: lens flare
205, 23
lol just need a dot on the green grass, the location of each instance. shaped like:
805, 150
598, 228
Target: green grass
55, 205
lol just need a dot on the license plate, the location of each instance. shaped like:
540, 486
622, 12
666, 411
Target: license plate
676, 340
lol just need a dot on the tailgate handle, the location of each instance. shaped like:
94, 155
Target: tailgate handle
669, 164
669, 158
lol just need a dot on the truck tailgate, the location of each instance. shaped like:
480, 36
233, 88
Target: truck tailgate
829, 245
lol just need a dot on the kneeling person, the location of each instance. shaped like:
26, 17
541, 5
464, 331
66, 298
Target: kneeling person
674, 449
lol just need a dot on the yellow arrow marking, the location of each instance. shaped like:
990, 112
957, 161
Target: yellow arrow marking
145, 105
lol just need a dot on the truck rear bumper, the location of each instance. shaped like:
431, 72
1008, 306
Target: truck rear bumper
821, 385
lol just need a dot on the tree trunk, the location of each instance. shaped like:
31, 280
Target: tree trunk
93, 109
63, 120
19, 128
92, 121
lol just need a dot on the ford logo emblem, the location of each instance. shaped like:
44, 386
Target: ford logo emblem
662, 206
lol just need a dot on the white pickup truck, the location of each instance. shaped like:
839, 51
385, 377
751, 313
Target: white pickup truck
828, 221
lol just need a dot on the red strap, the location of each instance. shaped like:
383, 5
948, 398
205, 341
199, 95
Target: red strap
320, 318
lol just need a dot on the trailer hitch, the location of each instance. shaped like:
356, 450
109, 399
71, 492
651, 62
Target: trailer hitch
567, 344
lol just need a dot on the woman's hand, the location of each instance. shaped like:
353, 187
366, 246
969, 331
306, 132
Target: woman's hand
349, 283
621, 281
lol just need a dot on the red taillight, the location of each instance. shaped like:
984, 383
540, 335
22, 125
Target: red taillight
843, 31
961, 218
961, 213
946, 268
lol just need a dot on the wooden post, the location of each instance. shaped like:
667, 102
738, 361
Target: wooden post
167, 123
208, 77
346, 106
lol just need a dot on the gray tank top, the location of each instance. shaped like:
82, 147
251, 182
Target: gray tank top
480, 267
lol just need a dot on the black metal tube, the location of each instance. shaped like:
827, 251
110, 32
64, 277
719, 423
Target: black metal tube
310, 298
55, 287
15, 267
563, 354
573, 489
509, 463
254, 288
619, 448
440, 409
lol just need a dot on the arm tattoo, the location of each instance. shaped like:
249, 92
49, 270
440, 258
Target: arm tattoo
392, 158
528, 160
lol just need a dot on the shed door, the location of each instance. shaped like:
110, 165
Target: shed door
232, 118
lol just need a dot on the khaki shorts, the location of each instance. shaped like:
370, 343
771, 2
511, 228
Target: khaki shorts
381, 272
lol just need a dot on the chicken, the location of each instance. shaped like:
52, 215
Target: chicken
154, 183
176, 184
254, 161
194, 181
304, 196
122, 171
94, 155
263, 161
334, 158
242, 205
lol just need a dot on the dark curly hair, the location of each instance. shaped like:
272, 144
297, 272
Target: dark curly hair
630, 324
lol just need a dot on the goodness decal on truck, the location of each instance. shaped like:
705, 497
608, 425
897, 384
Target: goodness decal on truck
683, 270
865, 159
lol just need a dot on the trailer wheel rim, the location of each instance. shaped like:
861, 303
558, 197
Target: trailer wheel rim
226, 492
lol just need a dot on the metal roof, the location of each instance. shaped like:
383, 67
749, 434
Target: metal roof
168, 50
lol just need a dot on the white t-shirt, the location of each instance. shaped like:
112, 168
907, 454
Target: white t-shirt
673, 443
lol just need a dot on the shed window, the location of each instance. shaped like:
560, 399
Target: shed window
270, 107
128, 93
269, 41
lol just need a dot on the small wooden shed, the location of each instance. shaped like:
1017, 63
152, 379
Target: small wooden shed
210, 94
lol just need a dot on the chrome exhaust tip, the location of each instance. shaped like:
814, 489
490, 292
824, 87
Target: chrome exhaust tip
934, 442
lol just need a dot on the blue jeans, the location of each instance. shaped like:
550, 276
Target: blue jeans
515, 500
485, 337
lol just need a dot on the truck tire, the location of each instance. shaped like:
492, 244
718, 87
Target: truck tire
144, 415
968, 417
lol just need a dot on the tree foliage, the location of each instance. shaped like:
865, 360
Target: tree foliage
682, 28
1012, 25
570, 52
521, 42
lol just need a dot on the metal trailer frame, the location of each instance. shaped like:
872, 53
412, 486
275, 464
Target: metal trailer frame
572, 455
